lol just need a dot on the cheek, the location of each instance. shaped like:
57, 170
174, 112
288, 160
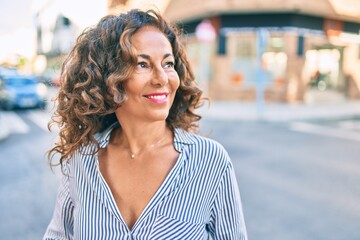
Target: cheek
132, 86
174, 80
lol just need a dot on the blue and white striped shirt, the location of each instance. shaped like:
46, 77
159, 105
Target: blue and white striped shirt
199, 199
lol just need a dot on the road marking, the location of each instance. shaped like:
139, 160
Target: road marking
350, 125
324, 131
13, 123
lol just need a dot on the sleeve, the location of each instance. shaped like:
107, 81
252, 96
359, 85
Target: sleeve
227, 220
61, 224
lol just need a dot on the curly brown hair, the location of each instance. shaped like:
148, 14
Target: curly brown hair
92, 77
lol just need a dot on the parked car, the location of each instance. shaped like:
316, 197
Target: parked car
18, 91
8, 71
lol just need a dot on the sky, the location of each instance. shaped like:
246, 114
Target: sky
15, 14
17, 21
16, 27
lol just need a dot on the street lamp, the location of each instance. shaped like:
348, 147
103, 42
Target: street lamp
262, 41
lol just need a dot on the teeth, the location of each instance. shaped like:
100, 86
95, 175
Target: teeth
158, 97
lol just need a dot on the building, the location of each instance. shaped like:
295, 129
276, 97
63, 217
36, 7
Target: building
59, 23
279, 50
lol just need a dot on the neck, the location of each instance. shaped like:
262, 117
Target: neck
136, 138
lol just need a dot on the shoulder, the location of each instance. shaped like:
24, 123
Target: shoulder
197, 140
205, 149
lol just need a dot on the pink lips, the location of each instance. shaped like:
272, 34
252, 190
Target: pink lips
158, 98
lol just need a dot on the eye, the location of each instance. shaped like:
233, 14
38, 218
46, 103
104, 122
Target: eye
169, 64
142, 65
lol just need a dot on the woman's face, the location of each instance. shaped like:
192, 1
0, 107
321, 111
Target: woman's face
151, 88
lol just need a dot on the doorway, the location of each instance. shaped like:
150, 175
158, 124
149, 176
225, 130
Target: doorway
324, 75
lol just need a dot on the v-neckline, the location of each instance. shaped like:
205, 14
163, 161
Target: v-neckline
161, 192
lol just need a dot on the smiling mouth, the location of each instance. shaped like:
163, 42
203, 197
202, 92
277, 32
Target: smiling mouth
158, 97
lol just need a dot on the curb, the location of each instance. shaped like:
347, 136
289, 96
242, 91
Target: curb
3, 134
279, 112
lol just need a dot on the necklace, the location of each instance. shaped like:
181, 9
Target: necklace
133, 155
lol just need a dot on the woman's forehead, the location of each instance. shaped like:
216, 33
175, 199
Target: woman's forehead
150, 40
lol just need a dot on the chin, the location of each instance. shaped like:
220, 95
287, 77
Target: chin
159, 115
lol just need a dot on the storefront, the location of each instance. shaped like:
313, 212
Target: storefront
284, 57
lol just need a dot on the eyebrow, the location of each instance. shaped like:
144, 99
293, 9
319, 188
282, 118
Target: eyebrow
145, 56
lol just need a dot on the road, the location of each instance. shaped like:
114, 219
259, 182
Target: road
297, 181
28, 186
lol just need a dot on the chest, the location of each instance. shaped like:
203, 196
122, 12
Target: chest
133, 185
134, 182
180, 202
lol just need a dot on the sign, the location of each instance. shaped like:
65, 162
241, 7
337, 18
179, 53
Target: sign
205, 32
333, 27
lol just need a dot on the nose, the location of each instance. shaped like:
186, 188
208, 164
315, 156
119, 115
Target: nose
159, 76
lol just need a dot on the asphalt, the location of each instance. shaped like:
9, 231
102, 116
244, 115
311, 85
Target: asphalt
270, 112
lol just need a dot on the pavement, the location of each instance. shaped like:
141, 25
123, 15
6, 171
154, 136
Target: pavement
277, 112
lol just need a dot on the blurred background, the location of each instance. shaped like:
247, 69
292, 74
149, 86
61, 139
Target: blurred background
283, 77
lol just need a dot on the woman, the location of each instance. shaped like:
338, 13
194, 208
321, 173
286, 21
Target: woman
132, 167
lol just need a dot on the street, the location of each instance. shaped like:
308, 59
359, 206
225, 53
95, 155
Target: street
297, 181
28, 186
294, 185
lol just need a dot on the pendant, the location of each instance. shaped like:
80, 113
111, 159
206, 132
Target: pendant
132, 156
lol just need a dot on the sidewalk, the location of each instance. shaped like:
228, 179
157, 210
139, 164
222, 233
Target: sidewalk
275, 112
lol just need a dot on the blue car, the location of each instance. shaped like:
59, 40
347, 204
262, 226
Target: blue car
17, 91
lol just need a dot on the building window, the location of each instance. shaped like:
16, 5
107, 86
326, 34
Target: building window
276, 44
245, 46
66, 22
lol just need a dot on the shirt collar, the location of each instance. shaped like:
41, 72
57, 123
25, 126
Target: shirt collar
103, 137
182, 136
